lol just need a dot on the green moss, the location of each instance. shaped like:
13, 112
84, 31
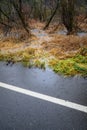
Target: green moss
80, 59
70, 66
81, 68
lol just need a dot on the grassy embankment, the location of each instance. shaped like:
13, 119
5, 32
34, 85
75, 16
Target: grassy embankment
64, 54
70, 54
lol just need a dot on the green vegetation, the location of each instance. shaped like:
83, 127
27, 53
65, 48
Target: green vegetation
29, 58
70, 66
31, 64
22, 38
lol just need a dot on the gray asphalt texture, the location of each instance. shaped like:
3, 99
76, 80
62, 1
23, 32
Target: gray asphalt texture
21, 112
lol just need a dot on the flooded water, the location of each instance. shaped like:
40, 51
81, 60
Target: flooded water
45, 81
39, 33
64, 32
81, 34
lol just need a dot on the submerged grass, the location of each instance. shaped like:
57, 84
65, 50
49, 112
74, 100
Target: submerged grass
39, 64
36, 63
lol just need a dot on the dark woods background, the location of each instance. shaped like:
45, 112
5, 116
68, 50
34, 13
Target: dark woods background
16, 15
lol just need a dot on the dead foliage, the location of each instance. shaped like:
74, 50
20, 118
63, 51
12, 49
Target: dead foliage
36, 24
67, 46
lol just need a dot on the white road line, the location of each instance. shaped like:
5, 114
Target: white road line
45, 97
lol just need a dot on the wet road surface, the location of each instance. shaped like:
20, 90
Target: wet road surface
22, 112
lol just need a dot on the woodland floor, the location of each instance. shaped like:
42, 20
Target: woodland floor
65, 54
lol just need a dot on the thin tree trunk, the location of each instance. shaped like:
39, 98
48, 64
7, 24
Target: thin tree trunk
53, 14
21, 18
68, 15
20, 5
12, 20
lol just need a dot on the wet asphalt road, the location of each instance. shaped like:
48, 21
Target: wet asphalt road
21, 112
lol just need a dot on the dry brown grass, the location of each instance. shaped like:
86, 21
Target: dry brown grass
55, 27
36, 24
66, 43
9, 45
12, 42
65, 46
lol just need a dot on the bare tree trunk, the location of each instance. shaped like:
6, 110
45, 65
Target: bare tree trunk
20, 5
20, 14
53, 14
68, 14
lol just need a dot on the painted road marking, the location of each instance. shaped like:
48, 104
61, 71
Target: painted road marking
45, 97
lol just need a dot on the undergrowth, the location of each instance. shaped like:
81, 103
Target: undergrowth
70, 66
32, 57
28, 58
